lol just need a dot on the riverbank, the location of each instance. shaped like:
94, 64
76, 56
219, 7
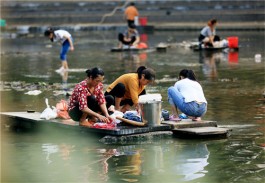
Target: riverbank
237, 26
108, 15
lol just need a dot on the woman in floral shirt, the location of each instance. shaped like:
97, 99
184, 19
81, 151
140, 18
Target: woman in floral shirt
88, 99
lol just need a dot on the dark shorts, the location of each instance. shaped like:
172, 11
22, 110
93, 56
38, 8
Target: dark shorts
121, 39
92, 103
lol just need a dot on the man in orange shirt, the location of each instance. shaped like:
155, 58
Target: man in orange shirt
130, 13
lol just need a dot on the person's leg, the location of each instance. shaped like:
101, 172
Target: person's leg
176, 98
92, 103
63, 54
75, 113
121, 39
195, 110
117, 92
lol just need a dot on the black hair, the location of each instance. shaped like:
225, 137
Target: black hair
94, 72
48, 31
149, 74
188, 74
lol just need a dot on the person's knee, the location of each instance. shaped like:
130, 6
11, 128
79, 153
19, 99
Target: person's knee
63, 56
109, 100
133, 39
119, 90
120, 37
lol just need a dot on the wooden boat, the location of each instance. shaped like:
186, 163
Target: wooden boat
213, 49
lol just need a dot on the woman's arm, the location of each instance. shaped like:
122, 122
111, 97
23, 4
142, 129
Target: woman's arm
92, 113
70, 42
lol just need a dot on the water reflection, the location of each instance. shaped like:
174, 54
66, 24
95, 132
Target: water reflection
191, 161
132, 60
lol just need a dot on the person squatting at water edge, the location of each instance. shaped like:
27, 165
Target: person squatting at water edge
129, 38
187, 96
208, 34
66, 41
127, 88
88, 100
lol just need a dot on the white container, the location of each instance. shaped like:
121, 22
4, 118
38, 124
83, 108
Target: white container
150, 105
258, 58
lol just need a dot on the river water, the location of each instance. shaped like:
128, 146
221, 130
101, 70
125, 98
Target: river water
233, 84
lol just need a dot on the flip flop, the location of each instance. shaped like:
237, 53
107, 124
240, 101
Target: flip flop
173, 118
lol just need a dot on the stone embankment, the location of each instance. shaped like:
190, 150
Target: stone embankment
162, 14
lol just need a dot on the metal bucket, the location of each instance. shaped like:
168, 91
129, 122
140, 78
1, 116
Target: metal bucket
151, 112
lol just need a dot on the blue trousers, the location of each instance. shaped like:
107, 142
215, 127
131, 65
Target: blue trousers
191, 108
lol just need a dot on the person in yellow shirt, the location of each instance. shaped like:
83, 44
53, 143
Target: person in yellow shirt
127, 88
130, 13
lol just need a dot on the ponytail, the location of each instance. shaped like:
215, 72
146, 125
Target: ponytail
149, 73
140, 70
188, 74
211, 22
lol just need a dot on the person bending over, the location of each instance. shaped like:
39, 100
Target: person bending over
127, 88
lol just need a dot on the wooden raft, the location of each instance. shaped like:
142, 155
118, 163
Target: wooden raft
189, 129
29, 120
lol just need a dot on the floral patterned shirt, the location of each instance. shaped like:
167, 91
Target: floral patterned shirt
81, 92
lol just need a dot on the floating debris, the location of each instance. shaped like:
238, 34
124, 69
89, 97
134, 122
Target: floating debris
34, 92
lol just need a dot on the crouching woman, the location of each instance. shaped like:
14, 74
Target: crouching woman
187, 96
88, 100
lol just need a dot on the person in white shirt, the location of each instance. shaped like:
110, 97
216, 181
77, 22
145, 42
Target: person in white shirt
66, 41
187, 96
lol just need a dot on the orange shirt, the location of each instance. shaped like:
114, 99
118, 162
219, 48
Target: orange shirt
131, 12
132, 86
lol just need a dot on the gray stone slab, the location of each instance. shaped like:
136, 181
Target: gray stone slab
202, 131
188, 123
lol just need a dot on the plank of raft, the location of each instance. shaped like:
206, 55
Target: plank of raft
202, 131
35, 116
188, 123
125, 49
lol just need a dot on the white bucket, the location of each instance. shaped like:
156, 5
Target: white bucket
150, 106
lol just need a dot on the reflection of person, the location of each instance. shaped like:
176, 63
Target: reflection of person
88, 99
67, 43
130, 37
187, 95
127, 88
209, 60
130, 13
208, 34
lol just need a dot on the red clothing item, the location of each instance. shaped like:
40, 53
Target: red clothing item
81, 92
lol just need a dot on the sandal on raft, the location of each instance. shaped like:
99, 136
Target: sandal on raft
174, 118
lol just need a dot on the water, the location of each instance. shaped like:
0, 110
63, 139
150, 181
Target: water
233, 85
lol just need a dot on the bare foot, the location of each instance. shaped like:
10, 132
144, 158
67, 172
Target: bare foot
196, 119
87, 123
